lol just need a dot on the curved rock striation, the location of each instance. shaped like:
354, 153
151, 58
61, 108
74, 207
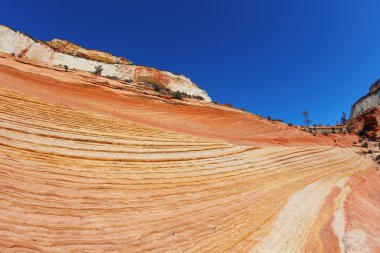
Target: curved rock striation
87, 166
58, 52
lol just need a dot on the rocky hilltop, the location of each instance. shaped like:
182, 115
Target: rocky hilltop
59, 52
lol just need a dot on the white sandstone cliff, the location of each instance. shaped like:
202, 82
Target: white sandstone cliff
19, 44
367, 102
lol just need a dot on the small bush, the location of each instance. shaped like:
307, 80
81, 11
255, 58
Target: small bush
229, 105
290, 124
66, 67
365, 145
98, 70
157, 87
354, 142
370, 151
113, 77
198, 97
13, 54
360, 133
373, 136
128, 80
269, 118
177, 95
215, 102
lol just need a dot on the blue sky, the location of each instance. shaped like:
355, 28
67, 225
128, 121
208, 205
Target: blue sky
270, 57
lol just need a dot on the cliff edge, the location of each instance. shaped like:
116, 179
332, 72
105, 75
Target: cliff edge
368, 102
60, 52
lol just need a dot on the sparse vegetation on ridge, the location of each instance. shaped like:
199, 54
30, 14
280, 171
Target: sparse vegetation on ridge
113, 77
98, 70
177, 95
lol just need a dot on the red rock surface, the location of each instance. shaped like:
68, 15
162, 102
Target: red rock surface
86, 92
368, 123
89, 164
363, 213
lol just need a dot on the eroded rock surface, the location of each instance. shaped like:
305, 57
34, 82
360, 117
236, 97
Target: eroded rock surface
367, 102
87, 166
58, 52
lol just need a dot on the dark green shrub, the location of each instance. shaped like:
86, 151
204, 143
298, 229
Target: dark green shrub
66, 67
365, 145
98, 70
112, 77
156, 87
198, 97
360, 133
370, 151
373, 136
128, 80
229, 105
177, 95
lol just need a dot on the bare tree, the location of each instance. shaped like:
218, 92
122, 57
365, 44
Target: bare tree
306, 118
343, 119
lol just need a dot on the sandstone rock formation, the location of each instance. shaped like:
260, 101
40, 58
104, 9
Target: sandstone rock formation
67, 47
58, 52
87, 166
367, 102
365, 113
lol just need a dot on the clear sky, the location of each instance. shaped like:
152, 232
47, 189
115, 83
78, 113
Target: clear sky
270, 57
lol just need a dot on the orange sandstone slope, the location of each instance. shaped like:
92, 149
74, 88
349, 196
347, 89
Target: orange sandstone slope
89, 164
85, 91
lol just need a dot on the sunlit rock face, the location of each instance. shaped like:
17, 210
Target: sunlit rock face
67, 47
59, 52
87, 166
365, 113
367, 102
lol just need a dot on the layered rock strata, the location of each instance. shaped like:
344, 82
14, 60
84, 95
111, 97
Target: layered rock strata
58, 52
88, 167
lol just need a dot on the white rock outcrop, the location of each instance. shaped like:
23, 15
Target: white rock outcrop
19, 44
367, 102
